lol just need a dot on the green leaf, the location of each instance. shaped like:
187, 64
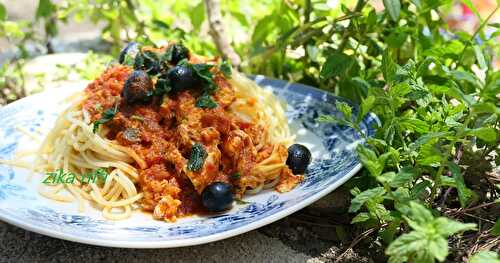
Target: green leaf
197, 15
403, 177
345, 109
197, 158
484, 133
225, 68
485, 257
420, 213
485, 107
447, 227
363, 197
361, 217
480, 57
45, 8
333, 119
3, 12
406, 244
419, 189
496, 228
393, 7
412, 124
438, 248
206, 102
106, 116
389, 68
366, 106
337, 64
464, 193
369, 160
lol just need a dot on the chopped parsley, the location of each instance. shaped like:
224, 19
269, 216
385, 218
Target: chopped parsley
106, 116
197, 158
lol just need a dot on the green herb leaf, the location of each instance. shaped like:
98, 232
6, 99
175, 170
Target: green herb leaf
106, 116
197, 158
345, 109
363, 197
496, 228
464, 193
485, 257
45, 8
389, 68
485, 133
393, 7
225, 68
361, 217
206, 102
338, 64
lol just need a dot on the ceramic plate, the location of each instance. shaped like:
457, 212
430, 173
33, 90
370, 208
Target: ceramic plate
334, 162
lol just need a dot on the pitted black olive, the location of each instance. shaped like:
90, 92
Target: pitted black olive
130, 50
179, 52
138, 88
183, 77
217, 197
299, 157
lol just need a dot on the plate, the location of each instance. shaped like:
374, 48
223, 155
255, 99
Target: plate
334, 162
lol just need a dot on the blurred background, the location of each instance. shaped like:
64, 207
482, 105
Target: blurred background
262, 34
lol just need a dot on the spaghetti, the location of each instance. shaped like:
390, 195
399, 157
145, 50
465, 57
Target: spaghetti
161, 143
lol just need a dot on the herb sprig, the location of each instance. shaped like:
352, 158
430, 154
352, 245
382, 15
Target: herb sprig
106, 116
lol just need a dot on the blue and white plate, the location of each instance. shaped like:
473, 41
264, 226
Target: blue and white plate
334, 162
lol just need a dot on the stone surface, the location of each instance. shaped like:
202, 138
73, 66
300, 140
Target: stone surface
279, 242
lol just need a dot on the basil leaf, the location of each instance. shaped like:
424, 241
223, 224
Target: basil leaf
197, 158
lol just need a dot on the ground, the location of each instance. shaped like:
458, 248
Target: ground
284, 241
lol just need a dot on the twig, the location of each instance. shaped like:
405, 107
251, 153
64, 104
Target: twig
478, 217
461, 211
218, 32
358, 239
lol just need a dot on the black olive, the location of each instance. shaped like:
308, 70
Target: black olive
131, 49
138, 88
299, 157
217, 197
182, 77
179, 52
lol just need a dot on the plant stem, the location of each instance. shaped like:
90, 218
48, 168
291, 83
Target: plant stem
475, 34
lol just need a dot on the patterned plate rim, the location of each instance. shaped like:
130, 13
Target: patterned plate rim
301, 88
